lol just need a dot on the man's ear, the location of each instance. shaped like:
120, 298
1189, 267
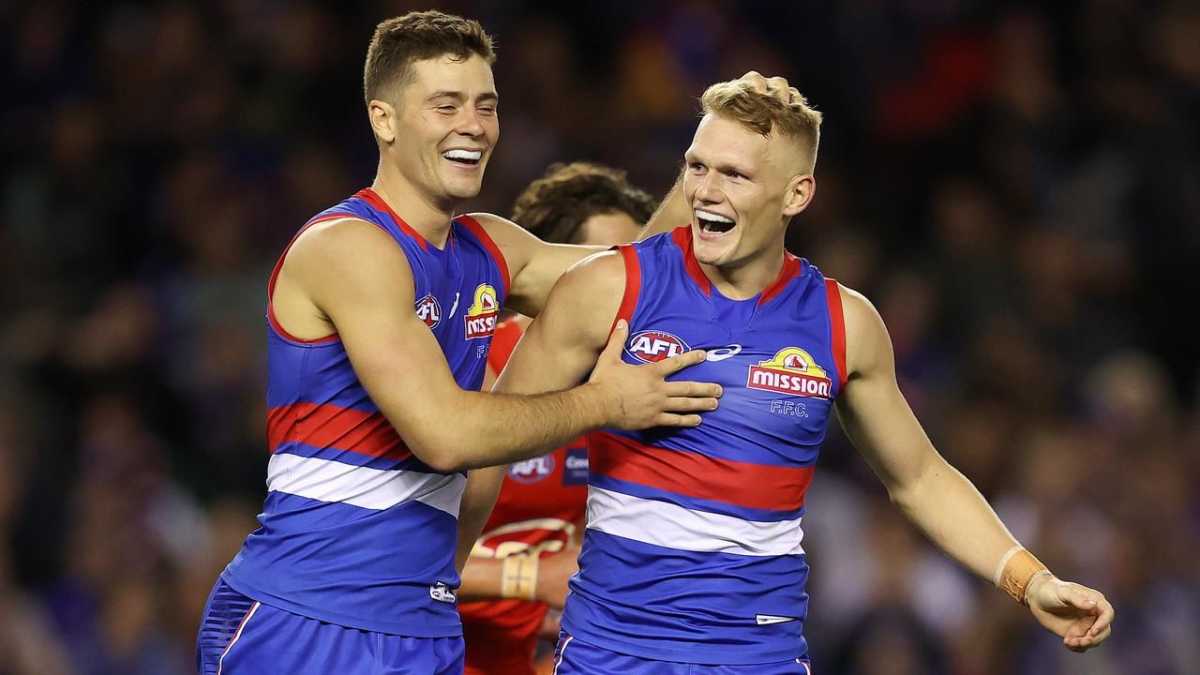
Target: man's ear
383, 119
800, 191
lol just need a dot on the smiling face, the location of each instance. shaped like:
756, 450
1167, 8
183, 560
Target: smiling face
442, 128
743, 188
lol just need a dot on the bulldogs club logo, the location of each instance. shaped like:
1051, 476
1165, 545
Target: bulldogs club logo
652, 346
481, 316
791, 371
532, 470
429, 311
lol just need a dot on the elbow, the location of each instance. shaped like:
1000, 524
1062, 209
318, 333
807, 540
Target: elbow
444, 461
440, 452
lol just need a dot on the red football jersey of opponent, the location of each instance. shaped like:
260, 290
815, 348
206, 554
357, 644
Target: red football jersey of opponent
540, 504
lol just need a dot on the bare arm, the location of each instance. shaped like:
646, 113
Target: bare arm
558, 350
359, 281
536, 265
933, 494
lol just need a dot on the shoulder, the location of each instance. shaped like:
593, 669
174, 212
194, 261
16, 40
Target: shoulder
509, 236
516, 244
596, 274
585, 300
867, 342
345, 250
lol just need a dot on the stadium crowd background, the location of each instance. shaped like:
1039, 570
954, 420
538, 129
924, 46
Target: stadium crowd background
1017, 188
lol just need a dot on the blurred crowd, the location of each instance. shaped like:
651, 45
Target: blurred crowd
1016, 187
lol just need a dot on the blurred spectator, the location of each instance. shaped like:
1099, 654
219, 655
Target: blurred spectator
1016, 187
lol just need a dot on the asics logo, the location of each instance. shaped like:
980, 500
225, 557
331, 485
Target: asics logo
722, 353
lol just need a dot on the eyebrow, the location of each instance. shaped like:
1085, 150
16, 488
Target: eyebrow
721, 165
459, 96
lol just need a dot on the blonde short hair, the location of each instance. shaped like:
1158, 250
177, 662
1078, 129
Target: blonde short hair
738, 101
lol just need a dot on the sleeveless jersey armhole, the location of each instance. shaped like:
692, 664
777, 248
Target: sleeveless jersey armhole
633, 286
271, 318
837, 329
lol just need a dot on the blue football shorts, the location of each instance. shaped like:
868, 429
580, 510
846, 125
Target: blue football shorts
240, 636
572, 657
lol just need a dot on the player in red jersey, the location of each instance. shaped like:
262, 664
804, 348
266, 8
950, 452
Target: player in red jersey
532, 534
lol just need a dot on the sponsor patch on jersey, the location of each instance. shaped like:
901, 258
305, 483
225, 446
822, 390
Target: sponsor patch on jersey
480, 319
575, 467
652, 346
429, 311
442, 593
791, 371
532, 470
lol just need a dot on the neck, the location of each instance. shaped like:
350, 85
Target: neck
748, 277
422, 213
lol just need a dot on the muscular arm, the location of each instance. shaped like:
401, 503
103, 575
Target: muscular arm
536, 265
878, 420
479, 498
359, 280
561, 346
933, 494
557, 351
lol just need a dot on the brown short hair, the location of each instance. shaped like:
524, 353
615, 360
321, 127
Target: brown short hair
399, 41
555, 205
738, 101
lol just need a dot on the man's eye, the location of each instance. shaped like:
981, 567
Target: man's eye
445, 108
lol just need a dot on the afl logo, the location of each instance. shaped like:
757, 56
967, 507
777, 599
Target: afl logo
532, 470
429, 311
652, 346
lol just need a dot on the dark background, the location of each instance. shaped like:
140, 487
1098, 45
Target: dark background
1016, 187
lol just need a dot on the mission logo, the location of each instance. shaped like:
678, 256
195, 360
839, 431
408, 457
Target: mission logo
791, 371
481, 315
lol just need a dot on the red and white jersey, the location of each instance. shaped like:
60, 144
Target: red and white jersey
540, 506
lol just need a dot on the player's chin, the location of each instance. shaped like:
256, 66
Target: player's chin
464, 189
714, 252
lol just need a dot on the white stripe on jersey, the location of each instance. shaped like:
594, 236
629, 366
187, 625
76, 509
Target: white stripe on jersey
329, 481
670, 526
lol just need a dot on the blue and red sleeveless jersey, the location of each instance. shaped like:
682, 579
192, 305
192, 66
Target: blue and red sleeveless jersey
356, 530
693, 545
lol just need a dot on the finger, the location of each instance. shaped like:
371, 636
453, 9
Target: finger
688, 404
678, 363
1084, 643
1104, 621
693, 389
673, 420
616, 342
1074, 595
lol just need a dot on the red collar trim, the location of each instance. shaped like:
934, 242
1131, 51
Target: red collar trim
682, 236
372, 197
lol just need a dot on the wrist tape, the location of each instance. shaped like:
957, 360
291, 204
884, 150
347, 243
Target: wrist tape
1014, 572
518, 577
